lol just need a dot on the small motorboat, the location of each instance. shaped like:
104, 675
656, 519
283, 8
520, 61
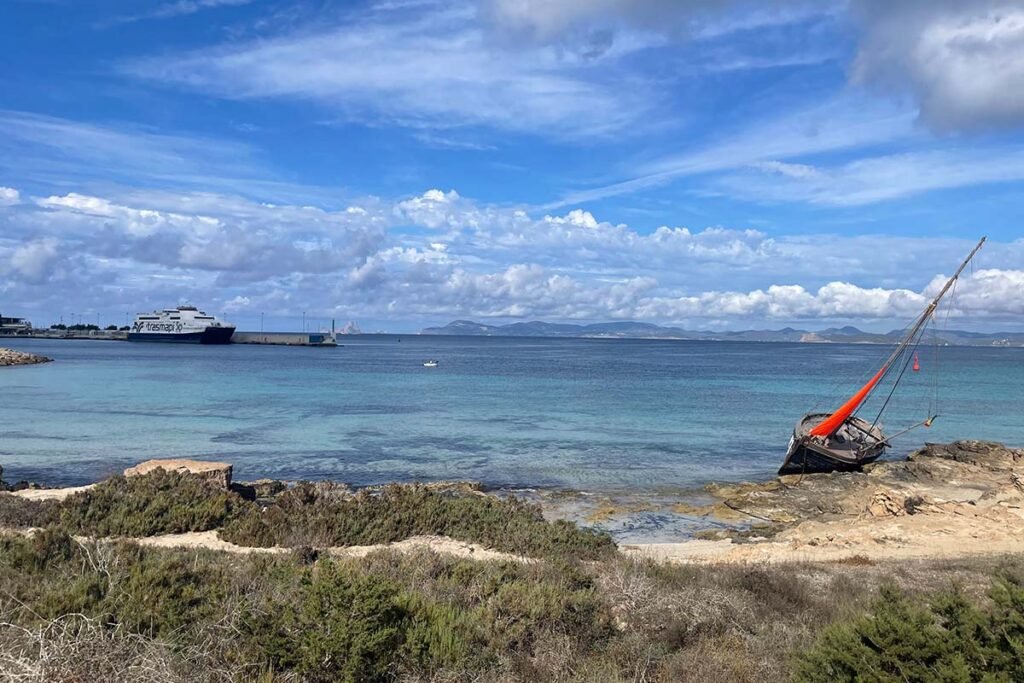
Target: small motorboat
430, 363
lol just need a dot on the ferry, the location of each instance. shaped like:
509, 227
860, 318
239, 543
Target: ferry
184, 324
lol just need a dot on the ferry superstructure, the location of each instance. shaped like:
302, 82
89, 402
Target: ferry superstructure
184, 325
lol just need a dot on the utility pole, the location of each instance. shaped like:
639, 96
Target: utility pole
261, 323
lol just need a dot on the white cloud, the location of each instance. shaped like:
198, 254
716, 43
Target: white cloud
9, 196
871, 180
703, 19
435, 68
220, 233
962, 62
33, 261
994, 291
843, 123
238, 303
433, 209
440, 255
169, 10
53, 150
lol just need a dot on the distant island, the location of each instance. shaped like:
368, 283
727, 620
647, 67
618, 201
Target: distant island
638, 330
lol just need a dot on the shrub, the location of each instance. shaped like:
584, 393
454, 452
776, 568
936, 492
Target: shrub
158, 502
949, 639
347, 627
18, 513
309, 515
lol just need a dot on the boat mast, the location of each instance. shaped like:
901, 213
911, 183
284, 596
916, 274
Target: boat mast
829, 425
930, 308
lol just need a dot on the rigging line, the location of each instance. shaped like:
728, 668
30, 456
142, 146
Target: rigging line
945, 326
906, 364
864, 376
933, 404
912, 427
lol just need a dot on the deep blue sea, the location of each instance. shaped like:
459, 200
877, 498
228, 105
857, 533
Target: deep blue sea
592, 415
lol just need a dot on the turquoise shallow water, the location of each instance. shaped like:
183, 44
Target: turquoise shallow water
596, 415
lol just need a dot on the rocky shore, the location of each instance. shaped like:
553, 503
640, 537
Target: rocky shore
12, 357
945, 500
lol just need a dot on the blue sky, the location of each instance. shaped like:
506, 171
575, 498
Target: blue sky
408, 162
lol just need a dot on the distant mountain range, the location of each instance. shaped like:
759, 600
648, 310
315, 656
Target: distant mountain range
636, 330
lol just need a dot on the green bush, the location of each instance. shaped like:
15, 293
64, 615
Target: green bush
949, 640
18, 513
308, 515
159, 502
344, 626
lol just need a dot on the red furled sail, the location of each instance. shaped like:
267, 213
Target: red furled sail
833, 421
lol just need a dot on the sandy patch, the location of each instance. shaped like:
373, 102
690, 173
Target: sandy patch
442, 545
50, 494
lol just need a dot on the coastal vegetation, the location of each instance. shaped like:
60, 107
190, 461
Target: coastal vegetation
158, 503
320, 515
78, 603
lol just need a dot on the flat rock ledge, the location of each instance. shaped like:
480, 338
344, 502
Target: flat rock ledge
960, 499
218, 473
11, 357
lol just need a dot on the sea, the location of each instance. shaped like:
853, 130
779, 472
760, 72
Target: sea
588, 415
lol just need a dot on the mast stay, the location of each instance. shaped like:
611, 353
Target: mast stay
833, 422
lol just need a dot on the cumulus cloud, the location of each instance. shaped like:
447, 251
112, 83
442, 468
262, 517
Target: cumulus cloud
433, 209
9, 196
961, 62
995, 291
250, 239
835, 300
33, 261
438, 255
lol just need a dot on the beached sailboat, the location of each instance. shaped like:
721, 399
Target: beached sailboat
842, 441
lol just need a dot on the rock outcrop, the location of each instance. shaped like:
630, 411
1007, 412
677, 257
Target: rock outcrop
261, 489
218, 473
986, 454
945, 500
12, 357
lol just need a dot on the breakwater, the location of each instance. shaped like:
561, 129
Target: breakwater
285, 338
12, 357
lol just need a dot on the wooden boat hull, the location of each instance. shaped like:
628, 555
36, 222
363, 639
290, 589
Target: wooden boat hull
855, 444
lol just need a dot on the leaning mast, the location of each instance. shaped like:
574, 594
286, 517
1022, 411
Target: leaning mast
828, 426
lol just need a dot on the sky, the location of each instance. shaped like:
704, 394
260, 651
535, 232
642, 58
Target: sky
711, 164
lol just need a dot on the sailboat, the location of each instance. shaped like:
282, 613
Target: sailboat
842, 441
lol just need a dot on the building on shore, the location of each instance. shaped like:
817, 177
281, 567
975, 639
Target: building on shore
14, 325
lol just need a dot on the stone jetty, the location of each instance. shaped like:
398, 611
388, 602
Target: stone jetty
12, 357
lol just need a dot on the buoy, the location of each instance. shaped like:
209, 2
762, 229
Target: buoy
917, 363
